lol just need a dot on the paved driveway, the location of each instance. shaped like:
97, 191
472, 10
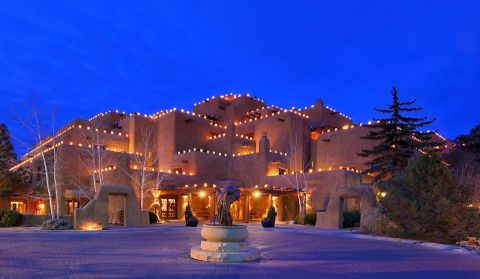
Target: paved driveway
162, 251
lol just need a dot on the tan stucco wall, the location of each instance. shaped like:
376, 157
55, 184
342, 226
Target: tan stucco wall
340, 148
96, 210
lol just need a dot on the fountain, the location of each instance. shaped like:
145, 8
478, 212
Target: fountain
224, 242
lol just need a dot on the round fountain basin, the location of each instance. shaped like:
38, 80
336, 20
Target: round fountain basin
235, 233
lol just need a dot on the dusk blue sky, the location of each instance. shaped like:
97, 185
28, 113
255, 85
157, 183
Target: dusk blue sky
84, 57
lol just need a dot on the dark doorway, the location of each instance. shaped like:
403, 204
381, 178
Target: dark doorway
117, 209
350, 212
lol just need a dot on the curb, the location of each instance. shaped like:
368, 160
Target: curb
343, 233
445, 247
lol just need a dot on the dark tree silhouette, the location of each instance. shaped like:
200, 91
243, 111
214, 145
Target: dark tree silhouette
398, 138
471, 142
8, 179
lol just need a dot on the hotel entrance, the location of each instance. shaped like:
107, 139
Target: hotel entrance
168, 207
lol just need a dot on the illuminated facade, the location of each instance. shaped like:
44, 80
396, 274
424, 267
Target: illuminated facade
181, 156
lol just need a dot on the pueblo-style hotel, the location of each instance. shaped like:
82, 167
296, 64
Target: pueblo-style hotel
180, 156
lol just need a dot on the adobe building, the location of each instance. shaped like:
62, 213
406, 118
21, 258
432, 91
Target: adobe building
180, 157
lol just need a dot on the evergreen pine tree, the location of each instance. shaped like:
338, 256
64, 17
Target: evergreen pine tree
471, 142
8, 179
397, 138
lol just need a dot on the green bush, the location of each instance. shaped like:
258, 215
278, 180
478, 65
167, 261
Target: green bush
57, 224
310, 219
153, 217
374, 221
425, 202
10, 218
351, 219
2, 212
29, 220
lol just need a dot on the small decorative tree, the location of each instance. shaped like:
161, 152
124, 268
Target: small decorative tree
190, 221
269, 222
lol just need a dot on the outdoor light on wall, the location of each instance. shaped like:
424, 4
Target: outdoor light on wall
202, 194
41, 206
274, 201
256, 194
156, 193
383, 194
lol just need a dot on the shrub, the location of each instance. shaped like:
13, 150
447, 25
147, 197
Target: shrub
30, 220
153, 217
11, 218
351, 219
426, 202
310, 219
376, 222
57, 224
2, 212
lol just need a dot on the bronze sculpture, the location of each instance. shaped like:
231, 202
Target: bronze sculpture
224, 198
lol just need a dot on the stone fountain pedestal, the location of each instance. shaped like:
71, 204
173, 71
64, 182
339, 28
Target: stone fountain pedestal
224, 244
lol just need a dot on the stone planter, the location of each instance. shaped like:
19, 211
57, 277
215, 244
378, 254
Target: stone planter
224, 244
235, 233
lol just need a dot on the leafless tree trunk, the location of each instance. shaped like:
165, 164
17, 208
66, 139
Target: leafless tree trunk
468, 174
45, 165
54, 169
141, 159
299, 179
50, 163
95, 154
144, 166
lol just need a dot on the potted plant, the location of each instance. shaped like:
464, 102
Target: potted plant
190, 221
269, 222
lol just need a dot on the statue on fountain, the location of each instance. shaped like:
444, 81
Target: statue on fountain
224, 198
224, 242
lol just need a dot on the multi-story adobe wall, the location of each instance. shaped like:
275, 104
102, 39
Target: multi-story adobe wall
339, 149
267, 151
230, 108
